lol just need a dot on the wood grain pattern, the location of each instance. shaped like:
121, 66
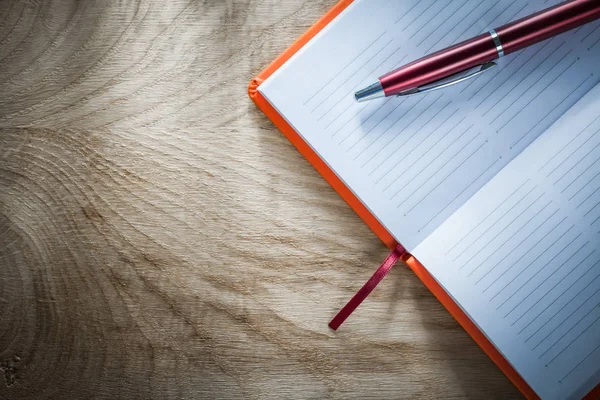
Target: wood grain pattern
159, 238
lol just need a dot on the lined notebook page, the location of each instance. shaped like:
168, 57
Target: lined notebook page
522, 257
414, 161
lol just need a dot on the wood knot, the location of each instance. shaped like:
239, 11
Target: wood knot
92, 214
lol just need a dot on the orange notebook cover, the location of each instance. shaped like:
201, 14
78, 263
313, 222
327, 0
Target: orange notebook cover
365, 214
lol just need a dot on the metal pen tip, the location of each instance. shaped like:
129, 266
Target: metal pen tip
371, 92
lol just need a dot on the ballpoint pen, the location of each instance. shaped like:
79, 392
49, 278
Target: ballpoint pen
475, 56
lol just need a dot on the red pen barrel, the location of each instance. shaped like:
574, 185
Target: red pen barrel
438, 65
547, 23
484, 48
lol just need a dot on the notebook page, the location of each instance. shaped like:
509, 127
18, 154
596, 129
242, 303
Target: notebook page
522, 257
414, 161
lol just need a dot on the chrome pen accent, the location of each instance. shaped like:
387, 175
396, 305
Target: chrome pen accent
371, 92
497, 42
451, 80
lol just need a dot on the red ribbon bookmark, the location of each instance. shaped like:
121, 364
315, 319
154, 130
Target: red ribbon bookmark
362, 294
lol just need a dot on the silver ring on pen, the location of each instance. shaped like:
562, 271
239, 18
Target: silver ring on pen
497, 42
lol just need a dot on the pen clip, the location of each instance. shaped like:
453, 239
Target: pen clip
451, 80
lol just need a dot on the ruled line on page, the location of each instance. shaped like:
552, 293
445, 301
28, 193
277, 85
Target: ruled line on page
547, 114
502, 84
436, 157
370, 130
439, 170
558, 297
527, 251
494, 19
416, 132
564, 148
542, 90
585, 330
398, 149
585, 185
508, 239
386, 130
493, 225
514, 16
419, 16
417, 202
352, 103
560, 324
394, 137
490, 78
566, 291
407, 12
530, 264
508, 224
580, 168
427, 150
371, 115
519, 244
589, 34
596, 220
411, 194
351, 119
490, 21
591, 209
557, 284
589, 197
416, 117
462, 33
519, 84
348, 65
366, 135
588, 313
540, 269
579, 363
573, 180
576, 164
357, 70
418, 144
487, 216
425, 24
445, 20
468, 186
581, 158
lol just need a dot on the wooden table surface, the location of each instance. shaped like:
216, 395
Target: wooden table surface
160, 239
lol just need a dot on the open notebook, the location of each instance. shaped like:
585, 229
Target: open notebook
493, 185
